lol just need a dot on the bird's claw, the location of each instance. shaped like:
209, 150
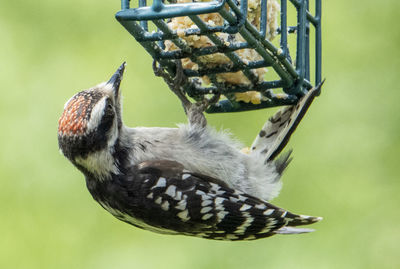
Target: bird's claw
176, 83
194, 111
180, 78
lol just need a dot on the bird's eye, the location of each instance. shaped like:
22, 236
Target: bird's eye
109, 109
107, 119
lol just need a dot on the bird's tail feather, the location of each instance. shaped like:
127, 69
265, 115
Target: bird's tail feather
293, 230
283, 161
276, 132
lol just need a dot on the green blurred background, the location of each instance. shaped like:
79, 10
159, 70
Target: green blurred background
346, 151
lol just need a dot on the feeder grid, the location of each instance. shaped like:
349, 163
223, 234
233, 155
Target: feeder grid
294, 79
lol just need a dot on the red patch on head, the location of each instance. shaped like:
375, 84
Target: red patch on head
74, 119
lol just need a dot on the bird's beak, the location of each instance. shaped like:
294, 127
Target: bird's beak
115, 80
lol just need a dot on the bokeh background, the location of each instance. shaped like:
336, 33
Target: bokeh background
346, 151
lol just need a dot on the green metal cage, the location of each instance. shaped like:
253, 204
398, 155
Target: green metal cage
148, 23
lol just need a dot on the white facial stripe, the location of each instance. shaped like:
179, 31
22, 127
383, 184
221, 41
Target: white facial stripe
97, 114
113, 136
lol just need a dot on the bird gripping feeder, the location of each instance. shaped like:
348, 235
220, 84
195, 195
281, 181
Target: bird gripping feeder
148, 23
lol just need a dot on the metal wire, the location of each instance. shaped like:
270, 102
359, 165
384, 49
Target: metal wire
293, 79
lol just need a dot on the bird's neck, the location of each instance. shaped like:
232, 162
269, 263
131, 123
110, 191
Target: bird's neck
108, 161
100, 164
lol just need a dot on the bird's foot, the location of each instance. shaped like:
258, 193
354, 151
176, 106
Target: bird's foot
194, 111
175, 83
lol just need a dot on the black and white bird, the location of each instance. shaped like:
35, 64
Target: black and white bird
189, 180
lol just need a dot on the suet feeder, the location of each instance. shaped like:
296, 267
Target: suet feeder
288, 62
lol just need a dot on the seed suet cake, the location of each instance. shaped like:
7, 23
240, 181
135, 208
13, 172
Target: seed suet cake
180, 24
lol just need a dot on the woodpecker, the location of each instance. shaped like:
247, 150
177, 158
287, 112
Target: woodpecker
190, 180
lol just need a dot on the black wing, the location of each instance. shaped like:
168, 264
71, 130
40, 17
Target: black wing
161, 196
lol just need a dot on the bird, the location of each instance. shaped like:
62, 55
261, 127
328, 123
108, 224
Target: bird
189, 180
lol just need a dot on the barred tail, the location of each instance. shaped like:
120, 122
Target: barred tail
277, 131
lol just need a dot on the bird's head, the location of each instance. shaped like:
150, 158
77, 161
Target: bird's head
91, 120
